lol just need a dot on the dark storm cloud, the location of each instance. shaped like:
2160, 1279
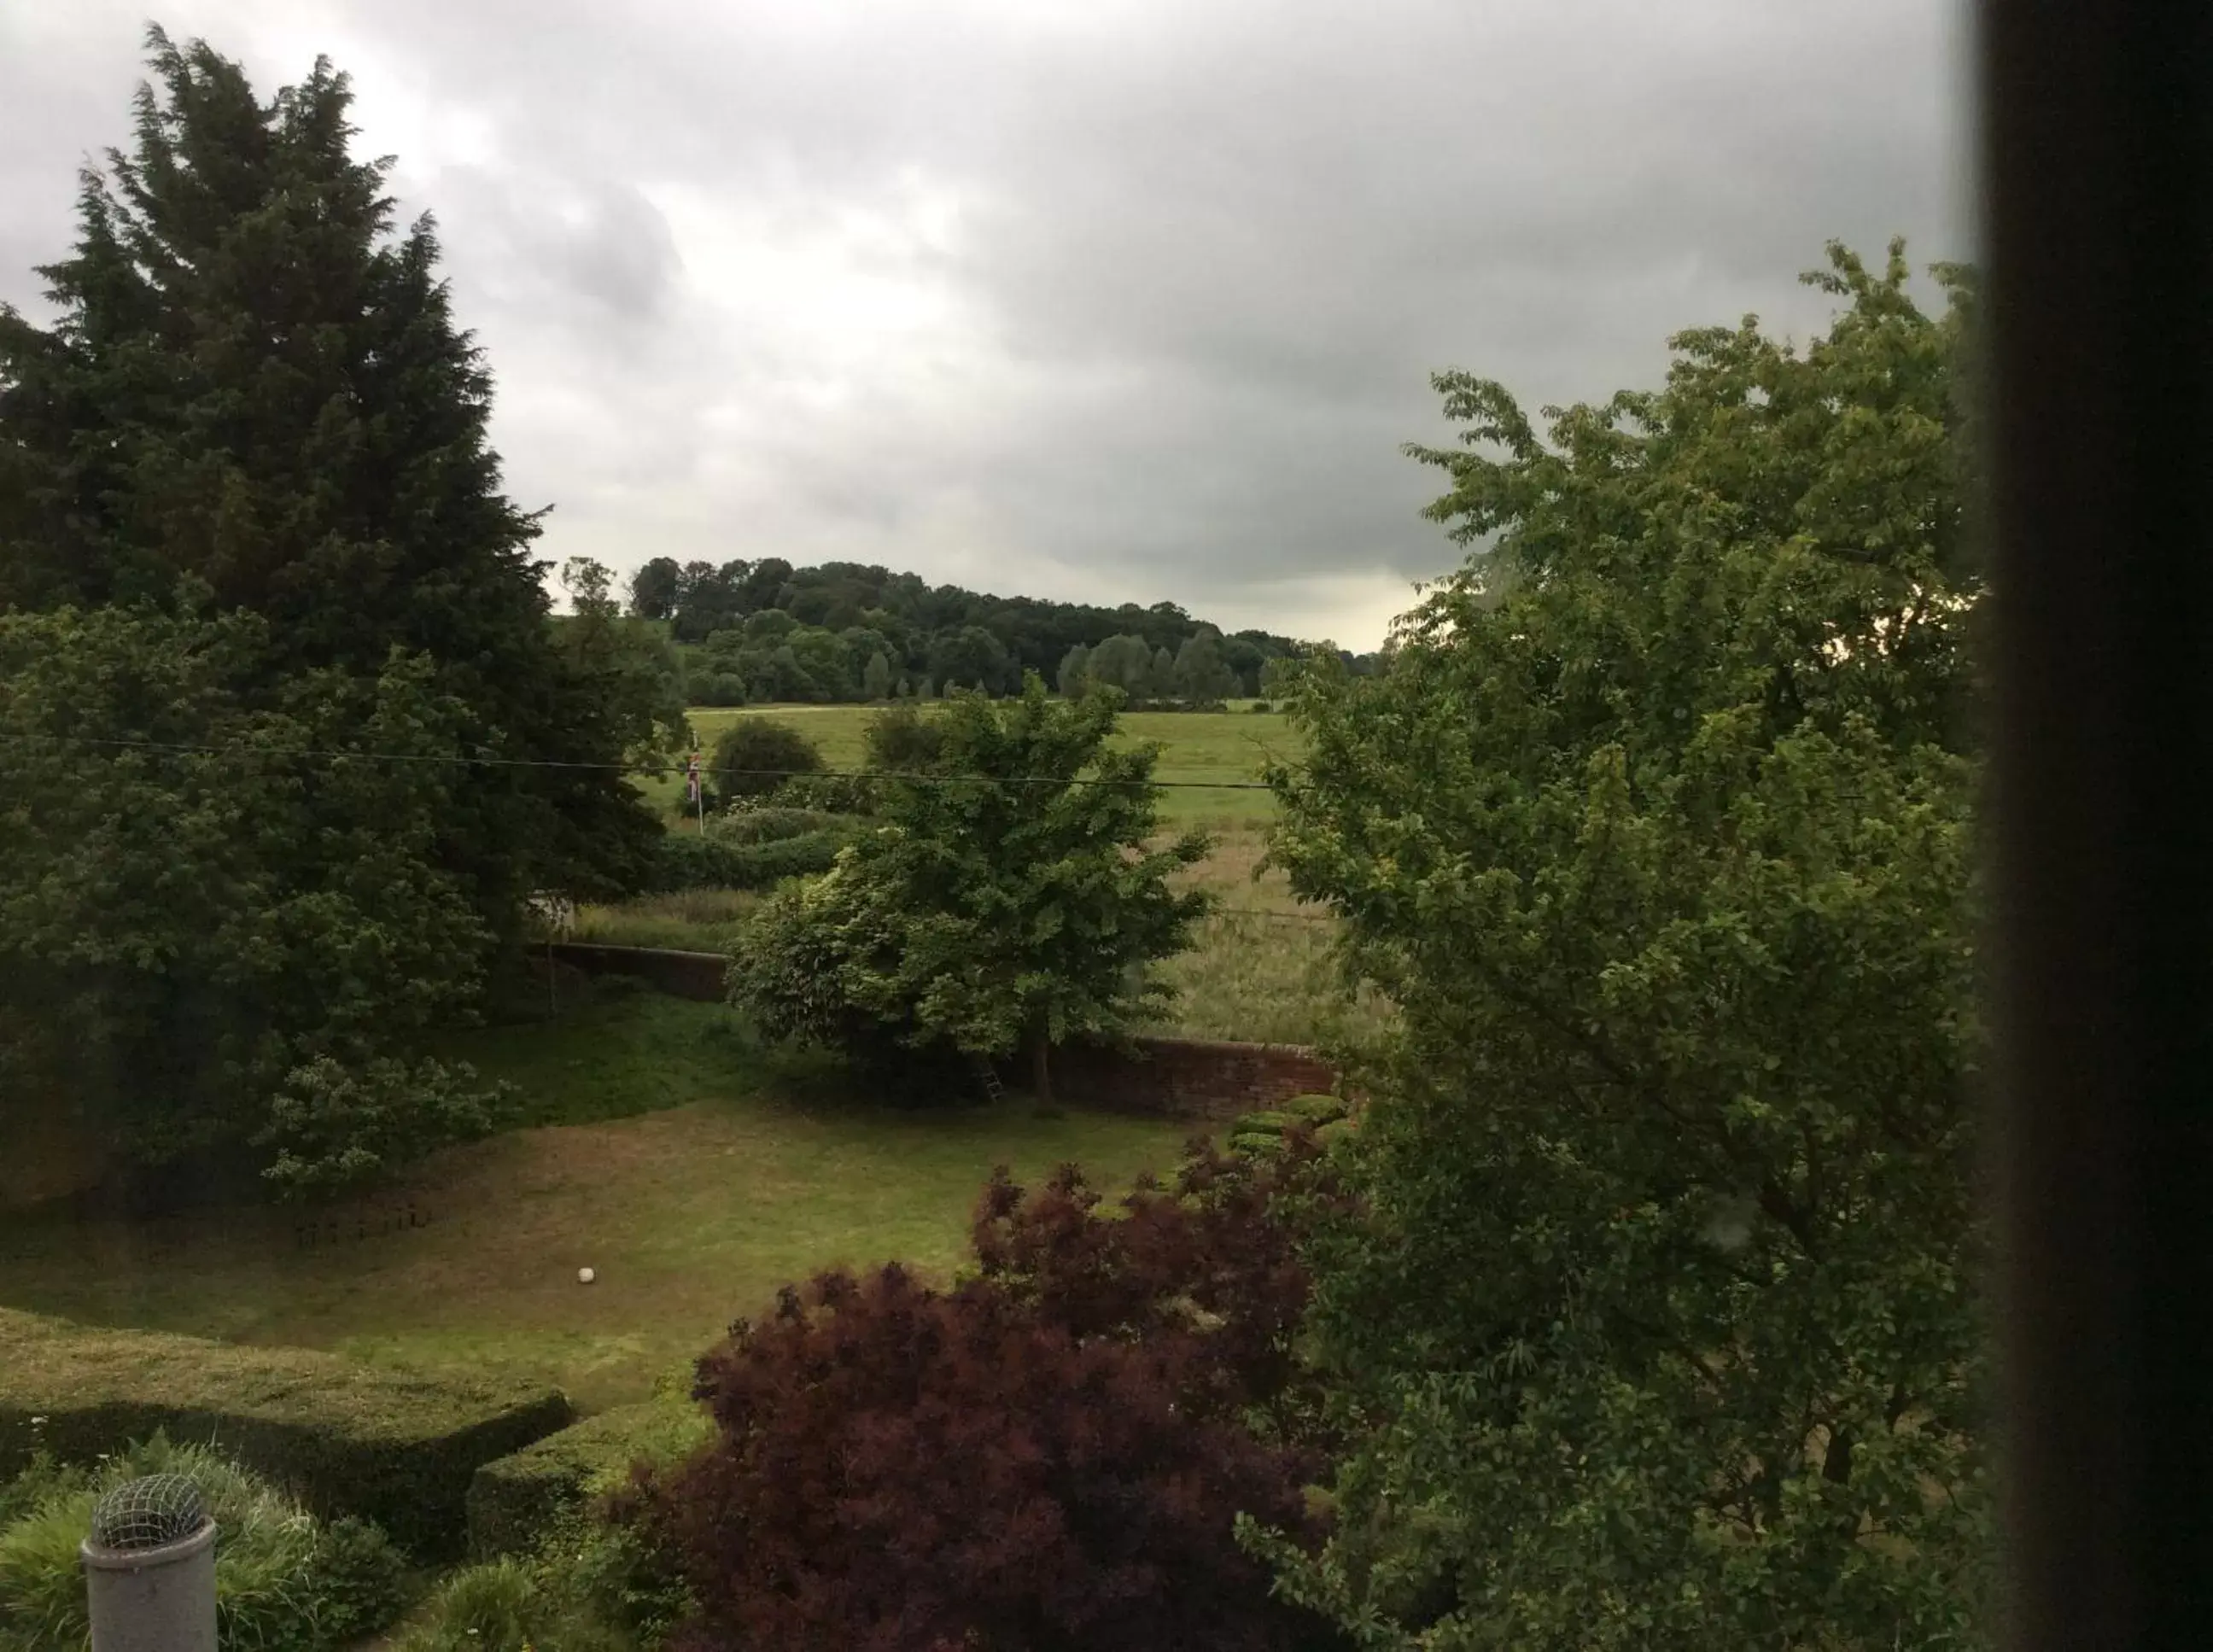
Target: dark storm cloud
1124, 300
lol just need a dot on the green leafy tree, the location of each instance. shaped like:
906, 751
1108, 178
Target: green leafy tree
254, 383
1161, 677
1202, 677
876, 677
912, 619
1279, 677
971, 655
225, 923
1074, 674
656, 588
1124, 662
628, 668
754, 756
1013, 906
899, 738
1660, 1325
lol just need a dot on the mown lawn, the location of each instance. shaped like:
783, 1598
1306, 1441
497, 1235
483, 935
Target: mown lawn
693, 1173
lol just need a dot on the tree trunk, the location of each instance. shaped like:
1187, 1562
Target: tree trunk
1041, 1066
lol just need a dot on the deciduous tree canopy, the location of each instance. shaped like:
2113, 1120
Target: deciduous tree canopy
1662, 1324
850, 612
1009, 895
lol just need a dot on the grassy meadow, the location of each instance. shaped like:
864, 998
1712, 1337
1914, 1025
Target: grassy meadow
1196, 746
694, 1172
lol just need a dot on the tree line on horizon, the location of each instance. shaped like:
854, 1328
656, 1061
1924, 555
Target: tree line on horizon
755, 631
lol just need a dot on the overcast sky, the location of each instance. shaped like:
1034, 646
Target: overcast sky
1101, 299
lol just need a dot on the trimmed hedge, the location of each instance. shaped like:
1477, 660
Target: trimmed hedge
388, 1446
1317, 1110
515, 1501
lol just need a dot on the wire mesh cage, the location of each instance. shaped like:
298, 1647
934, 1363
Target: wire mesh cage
149, 1512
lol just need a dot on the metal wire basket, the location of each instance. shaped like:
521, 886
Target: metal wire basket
150, 1513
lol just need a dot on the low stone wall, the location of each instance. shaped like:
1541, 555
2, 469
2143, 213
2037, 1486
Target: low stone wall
1164, 1077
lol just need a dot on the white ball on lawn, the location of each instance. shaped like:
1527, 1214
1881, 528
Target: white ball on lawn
585, 1276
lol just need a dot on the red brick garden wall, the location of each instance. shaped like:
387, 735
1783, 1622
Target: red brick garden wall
1169, 1078
1189, 1078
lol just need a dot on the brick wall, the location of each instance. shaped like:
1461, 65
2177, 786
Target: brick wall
1189, 1078
1169, 1078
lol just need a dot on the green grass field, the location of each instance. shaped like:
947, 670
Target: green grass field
1197, 746
693, 1172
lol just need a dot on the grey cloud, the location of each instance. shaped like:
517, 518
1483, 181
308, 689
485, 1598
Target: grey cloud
593, 249
1203, 262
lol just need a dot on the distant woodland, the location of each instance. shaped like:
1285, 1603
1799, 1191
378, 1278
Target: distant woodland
754, 631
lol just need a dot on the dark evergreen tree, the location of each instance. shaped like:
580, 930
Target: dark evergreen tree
257, 384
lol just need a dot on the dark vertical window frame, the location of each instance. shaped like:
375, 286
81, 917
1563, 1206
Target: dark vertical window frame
2097, 158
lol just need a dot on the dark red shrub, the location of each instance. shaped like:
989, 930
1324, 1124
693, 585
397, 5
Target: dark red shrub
1048, 1455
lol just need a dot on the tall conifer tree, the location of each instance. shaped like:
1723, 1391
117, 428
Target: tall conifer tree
257, 383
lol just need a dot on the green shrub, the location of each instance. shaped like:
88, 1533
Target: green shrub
514, 1501
771, 823
591, 1586
684, 860
362, 1583
41, 1580
763, 866
834, 793
1275, 1121
753, 756
284, 1582
485, 1608
1327, 1116
903, 741
38, 1481
688, 861
1317, 1110
716, 688
390, 1446
1250, 1141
